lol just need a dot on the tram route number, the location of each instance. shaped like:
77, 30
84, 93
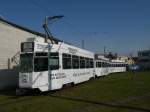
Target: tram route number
80, 74
58, 75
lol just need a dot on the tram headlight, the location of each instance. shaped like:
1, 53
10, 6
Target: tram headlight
24, 78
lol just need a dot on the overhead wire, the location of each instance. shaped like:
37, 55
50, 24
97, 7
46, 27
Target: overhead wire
38, 5
70, 25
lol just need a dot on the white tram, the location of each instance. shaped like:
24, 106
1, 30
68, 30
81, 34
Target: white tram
63, 64
47, 67
105, 67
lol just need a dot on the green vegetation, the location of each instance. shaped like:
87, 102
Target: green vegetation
119, 92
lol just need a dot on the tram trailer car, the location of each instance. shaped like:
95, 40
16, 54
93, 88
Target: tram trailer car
105, 66
46, 66
101, 67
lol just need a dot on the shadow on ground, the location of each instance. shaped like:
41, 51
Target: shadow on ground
106, 104
12, 95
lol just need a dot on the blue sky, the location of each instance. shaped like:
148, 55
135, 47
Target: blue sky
123, 26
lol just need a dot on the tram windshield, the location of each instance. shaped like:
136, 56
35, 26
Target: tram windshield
26, 62
38, 62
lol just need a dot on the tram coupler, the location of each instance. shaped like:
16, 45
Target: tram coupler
20, 92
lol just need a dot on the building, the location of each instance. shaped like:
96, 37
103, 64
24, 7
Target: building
123, 58
128, 60
11, 35
144, 59
100, 56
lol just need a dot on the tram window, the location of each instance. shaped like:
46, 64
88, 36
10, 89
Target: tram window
75, 62
40, 64
102, 64
99, 64
66, 61
107, 64
87, 63
110, 65
54, 61
91, 63
82, 62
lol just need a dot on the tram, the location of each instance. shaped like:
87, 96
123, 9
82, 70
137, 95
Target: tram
47, 66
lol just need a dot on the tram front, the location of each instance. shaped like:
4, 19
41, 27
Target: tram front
33, 72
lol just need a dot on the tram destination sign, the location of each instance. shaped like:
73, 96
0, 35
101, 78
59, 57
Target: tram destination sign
27, 47
72, 50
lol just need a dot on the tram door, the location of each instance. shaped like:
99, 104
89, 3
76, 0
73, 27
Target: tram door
53, 66
40, 77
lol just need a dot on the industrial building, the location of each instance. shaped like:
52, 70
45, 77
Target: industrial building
11, 35
144, 59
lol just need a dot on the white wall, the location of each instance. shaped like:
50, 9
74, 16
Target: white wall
10, 39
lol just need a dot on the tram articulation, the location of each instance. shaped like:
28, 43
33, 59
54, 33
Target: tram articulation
48, 67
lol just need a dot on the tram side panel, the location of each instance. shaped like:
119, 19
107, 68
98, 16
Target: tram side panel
68, 71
